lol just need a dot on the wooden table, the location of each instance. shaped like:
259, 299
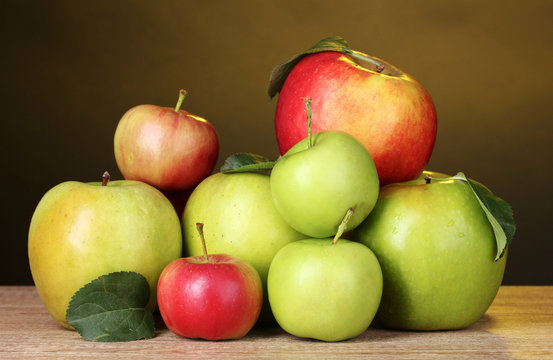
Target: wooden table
518, 325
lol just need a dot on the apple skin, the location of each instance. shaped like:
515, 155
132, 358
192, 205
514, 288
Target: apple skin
325, 291
390, 113
171, 150
314, 187
437, 249
240, 220
216, 300
80, 231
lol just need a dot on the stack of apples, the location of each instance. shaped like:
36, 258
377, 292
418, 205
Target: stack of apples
345, 227
80, 231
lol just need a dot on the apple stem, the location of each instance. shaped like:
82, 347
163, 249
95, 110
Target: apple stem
308, 106
342, 226
200, 228
182, 95
105, 178
427, 179
378, 65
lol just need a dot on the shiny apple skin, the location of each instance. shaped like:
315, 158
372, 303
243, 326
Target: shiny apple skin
164, 148
436, 248
216, 300
393, 116
80, 231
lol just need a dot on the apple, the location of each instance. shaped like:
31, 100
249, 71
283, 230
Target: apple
315, 183
170, 149
243, 222
325, 289
383, 107
437, 250
212, 297
80, 231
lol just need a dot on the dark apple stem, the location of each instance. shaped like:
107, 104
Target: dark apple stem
200, 228
105, 178
378, 65
308, 106
342, 226
427, 179
182, 95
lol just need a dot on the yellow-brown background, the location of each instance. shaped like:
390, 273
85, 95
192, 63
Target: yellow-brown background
71, 69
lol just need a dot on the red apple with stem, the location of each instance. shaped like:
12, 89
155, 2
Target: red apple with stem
168, 148
387, 110
212, 297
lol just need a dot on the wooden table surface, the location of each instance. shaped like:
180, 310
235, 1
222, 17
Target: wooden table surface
519, 325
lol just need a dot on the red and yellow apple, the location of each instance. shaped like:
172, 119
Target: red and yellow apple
168, 148
387, 110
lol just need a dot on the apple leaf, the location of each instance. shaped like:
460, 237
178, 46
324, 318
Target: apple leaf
497, 210
280, 72
112, 308
247, 162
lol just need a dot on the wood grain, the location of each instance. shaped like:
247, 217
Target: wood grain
519, 325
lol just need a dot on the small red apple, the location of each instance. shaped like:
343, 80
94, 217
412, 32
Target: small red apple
387, 110
212, 297
170, 149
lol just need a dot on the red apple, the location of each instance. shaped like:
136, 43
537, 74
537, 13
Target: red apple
212, 297
387, 110
170, 149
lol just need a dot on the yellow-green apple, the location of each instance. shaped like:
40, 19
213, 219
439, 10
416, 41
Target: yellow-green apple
437, 250
325, 290
168, 148
80, 231
386, 109
315, 183
212, 297
240, 220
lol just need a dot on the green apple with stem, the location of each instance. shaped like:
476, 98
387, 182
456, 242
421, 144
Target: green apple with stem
243, 222
80, 231
320, 178
325, 289
440, 251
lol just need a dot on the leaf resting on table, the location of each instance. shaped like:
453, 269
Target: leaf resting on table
112, 308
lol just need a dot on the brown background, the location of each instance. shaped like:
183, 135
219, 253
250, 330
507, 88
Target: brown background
71, 69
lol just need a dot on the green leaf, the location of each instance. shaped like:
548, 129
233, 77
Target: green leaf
497, 210
246, 162
112, 308
280, 72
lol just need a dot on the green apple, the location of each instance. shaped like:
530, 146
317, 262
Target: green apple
324, 290
320, 178
240, 220
80, 231
437, 251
